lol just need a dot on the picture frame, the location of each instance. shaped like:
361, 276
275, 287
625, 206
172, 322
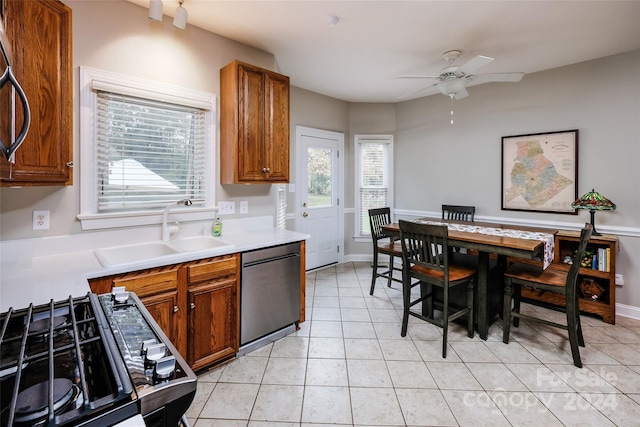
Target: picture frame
540, 172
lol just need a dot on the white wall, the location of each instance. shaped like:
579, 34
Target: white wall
437, 163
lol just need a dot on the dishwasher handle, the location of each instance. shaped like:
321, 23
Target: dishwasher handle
266, 260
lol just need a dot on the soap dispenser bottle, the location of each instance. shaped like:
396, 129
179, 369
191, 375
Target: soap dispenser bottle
217, 227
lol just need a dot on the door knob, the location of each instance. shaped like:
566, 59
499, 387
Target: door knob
304, 214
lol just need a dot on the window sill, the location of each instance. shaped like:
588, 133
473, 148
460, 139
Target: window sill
135, 219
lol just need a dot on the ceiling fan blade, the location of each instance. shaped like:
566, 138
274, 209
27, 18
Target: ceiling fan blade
462, 93
416, 92
412, 76
475, 63
496, 77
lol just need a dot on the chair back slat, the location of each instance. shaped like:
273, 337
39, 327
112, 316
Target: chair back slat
458, 213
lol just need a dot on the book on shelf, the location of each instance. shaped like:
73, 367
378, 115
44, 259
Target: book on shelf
603, 257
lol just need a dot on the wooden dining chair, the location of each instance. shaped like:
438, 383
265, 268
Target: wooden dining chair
556, 279
383, 244
425, 258
458, 213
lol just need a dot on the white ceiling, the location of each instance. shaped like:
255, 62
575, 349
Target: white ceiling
360, 58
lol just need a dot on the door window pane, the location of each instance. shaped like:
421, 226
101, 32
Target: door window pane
319, 167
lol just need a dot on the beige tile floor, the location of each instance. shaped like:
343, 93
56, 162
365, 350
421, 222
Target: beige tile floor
348, 365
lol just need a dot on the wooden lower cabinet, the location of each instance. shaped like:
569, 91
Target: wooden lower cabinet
163, 308
159, 289
195, 303
213, 299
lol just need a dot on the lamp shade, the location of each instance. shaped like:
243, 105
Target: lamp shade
180, 18
594, 201
155, 10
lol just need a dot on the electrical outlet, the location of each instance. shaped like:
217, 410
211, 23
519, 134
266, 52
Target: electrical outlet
226, 208
244, 206
40, 220
292, 188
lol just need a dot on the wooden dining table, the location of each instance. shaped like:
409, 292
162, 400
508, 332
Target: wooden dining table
485, 245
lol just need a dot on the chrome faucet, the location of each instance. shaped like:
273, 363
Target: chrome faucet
167, 230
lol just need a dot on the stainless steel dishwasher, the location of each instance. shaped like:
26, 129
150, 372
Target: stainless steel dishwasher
269, 291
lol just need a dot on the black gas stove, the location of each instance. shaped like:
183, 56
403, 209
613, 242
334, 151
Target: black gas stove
92, 360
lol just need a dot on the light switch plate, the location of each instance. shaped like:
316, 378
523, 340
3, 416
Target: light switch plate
226, 208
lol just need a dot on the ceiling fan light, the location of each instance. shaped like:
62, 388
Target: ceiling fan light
451, 87
155, 10
180, 18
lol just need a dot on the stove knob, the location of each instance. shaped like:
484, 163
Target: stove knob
164, 368
146, 344
154, 353
121, 297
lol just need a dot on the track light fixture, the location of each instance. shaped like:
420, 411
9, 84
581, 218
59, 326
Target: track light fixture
155, 10
180, 18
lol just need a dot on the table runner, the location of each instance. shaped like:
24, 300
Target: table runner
546, 238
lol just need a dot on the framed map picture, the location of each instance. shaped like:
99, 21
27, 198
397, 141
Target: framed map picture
540, 172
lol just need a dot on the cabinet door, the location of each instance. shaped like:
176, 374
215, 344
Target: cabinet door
40, 32
254, 125
162, 308
212, 322
276, 136
251, 148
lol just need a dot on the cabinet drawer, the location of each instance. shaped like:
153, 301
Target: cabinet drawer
149, 283
213, 269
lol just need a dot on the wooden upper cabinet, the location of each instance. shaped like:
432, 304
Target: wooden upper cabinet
40, 36
254, 125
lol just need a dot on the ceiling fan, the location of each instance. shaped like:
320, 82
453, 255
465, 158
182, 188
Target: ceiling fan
452, 80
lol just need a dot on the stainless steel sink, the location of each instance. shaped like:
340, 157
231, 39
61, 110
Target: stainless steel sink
128, 254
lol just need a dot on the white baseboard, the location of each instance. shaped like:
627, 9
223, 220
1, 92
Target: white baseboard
628, 311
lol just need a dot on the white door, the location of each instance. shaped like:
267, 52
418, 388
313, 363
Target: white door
319, 171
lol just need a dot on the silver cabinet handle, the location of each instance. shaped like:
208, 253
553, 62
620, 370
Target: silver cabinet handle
175, 308
192, 305
266, 170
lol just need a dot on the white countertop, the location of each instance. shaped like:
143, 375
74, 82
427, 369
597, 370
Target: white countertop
39, 270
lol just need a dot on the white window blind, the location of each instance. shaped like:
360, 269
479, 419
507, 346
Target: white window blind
281, 207
374, 188
148, 153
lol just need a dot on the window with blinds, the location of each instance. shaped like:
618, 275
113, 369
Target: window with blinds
145, 145
374, 166
149, 153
